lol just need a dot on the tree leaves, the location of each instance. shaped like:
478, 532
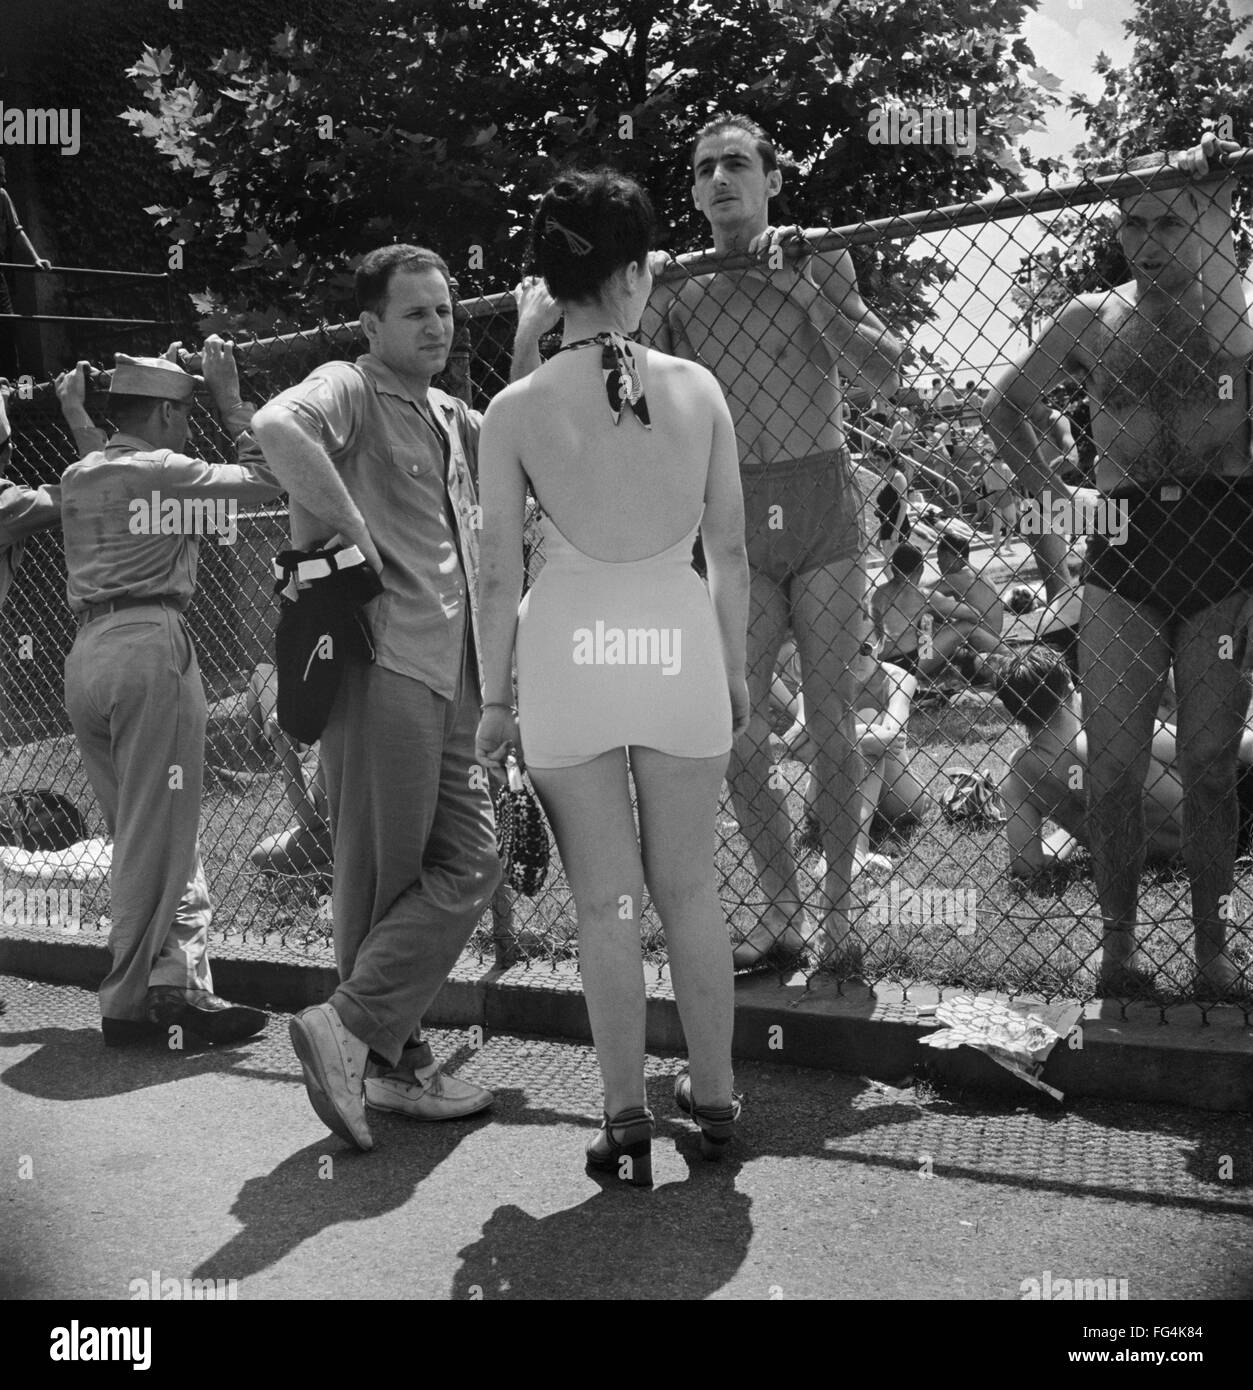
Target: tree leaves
445, 140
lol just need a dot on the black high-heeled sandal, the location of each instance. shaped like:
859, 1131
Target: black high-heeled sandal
631, 1157
717, 1125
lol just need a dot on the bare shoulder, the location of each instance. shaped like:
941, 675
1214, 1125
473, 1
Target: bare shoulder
683, 374
507, 404
1082, 314
689, 293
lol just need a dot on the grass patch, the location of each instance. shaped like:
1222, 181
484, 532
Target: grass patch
1032, 938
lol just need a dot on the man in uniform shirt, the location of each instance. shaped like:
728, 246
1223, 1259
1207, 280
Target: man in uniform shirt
372, 452
132, 510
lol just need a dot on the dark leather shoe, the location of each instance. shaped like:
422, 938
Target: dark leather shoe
204, 1014
125, 1032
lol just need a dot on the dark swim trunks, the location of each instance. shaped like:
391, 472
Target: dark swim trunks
802, 515
1189, 546
1244, 795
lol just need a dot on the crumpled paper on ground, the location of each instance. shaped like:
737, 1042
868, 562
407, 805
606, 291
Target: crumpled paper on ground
1017, 1036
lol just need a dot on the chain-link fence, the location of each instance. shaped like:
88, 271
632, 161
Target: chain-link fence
1036, 647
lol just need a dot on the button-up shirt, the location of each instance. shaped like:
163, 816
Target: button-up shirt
114, 549
413, 483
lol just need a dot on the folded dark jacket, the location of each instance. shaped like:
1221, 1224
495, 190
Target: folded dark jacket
319, 631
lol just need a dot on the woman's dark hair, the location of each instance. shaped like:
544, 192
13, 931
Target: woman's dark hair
1032, 684
590, 224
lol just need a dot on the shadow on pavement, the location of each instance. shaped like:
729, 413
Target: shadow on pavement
74, 1064
302, 1197
682, 1240
294, 1203
1149, 1154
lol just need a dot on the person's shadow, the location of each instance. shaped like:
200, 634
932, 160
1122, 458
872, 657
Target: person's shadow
306, 1194
74, 1064
682, 1240
569, 1252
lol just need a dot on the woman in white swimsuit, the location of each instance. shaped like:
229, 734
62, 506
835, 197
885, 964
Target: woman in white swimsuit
625, 660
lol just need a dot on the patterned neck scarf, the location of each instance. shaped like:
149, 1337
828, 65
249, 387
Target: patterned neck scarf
622, 377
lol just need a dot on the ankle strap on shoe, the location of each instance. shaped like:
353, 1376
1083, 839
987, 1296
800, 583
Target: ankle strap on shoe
637, 1116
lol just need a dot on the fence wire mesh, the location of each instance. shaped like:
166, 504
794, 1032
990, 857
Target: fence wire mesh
1051, 575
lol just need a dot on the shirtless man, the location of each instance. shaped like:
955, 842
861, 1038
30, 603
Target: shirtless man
777, 337
899, 605
958, 581
1046, 779
1163, 359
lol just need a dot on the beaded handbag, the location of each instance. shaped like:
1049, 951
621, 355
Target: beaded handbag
521, 833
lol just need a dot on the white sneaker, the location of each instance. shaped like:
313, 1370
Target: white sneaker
334, 1062
429, 1094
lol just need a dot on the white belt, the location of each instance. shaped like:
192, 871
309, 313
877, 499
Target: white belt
321, 568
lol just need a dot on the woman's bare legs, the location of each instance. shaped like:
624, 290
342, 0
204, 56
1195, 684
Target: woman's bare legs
589, 809
678, 802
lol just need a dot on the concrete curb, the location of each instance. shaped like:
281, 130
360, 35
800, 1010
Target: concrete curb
1136, 1054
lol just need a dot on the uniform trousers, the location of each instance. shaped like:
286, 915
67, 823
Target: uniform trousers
137, 704
415, 846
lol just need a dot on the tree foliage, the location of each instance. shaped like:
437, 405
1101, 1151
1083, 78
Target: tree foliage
438, 121
1181, 81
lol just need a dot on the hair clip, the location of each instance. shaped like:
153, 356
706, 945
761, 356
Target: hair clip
580, 246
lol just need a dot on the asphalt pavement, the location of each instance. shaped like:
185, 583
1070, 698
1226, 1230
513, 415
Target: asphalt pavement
122, 1165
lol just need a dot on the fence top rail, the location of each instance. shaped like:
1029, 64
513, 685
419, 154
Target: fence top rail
1106, 188
86, 270
79, 318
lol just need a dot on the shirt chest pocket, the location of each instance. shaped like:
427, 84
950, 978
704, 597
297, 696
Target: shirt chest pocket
411, 463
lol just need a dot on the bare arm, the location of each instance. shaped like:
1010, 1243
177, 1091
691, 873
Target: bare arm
887, 733
1017, 394
304, 468
1226, 314
538, 312
722, 536
878, 611
502, 492
824, 286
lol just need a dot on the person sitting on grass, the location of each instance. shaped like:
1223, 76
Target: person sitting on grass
900, 609
959, 582
891, 795
1047, 776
